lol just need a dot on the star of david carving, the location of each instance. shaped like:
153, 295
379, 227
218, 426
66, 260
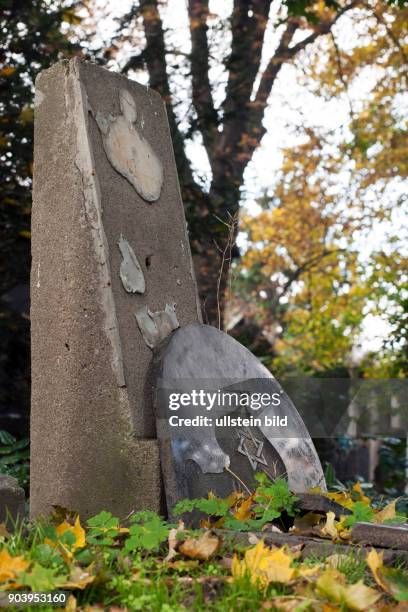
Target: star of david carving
252, 448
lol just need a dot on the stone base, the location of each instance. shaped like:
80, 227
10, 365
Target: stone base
138, 464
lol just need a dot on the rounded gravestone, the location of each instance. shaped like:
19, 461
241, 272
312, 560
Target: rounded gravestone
221, 417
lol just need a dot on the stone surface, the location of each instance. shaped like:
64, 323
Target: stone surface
309, 546
313, 502
386, 536
92, 426
196, 460
11, 498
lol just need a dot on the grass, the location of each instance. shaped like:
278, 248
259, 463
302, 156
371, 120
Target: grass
152, 565
143, 580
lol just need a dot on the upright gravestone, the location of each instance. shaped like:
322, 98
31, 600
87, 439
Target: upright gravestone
111, 277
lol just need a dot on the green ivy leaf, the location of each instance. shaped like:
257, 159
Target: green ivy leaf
361, 513
147, 534
213, 506
274, 496
41, 578
104, 520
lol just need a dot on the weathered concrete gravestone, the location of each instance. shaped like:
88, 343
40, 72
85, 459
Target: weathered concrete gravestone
112, 278
111, 266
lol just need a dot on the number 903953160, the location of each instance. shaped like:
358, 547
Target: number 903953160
20, 598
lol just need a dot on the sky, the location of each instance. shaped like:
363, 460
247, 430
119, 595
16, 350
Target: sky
290, 103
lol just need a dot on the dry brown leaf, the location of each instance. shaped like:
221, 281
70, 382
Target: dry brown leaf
201, 548
79, 578
173, 540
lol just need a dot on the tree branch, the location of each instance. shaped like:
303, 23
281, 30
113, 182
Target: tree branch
248, 23
207, 117
155, 57
283, 54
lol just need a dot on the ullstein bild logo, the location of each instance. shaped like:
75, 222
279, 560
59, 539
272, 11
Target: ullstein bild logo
228, 421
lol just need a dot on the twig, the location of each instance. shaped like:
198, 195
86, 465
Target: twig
239, 480
232, 228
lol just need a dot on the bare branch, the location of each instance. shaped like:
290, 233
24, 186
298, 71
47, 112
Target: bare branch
283, 54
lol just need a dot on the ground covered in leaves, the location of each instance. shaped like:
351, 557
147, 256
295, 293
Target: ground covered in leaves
151, 564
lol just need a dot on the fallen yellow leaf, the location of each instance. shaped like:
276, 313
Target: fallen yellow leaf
77, 531
264, 565
305, 571
329, 528
361, 497
392, 580
375, 563
10, 566
358, 596
342, 497
233, 498
201, 548
389, 512
244, 510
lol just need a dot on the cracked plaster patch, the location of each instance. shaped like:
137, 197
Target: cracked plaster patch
129, 152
